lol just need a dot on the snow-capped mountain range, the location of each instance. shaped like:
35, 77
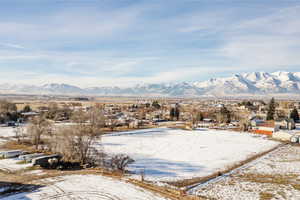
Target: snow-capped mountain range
256, 83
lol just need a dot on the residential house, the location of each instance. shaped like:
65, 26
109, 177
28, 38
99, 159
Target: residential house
285, 124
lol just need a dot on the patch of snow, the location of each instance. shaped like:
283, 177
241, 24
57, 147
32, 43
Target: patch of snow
7, 132
2, 141
11, 164
36, 172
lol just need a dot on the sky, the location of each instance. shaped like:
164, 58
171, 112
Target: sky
91, 43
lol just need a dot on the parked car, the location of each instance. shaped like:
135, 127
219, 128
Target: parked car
11, 123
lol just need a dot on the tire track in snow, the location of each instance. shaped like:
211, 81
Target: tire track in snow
83, 195
57, 189
61, 193
4, 168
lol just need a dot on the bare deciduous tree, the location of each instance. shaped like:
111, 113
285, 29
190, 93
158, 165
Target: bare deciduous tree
120, 161
112, 123
224, 115
74, 142
96, 118
19, 133
196, 116
38, 126
8, 111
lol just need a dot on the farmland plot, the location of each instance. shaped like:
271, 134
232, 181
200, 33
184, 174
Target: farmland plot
6, 133
2, 141
164, 154
86, 187
12, 164
274, 176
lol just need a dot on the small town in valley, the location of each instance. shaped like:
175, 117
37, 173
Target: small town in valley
154, 148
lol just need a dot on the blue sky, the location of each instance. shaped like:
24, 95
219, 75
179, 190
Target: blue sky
124, 42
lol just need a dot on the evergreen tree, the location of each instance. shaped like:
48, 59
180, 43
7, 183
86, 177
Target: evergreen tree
271, 109
294, 115
200, 116
156, 105
225, 115
177, 113
27, 108
172, 113
8, 111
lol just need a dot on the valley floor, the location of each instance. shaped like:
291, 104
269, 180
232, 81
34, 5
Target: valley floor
168, 155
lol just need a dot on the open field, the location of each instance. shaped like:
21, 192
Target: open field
13, 164
6, 132
2, 141
171, 154
274, 176
87, 187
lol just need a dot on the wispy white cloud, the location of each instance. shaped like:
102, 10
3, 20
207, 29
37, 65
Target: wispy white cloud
266, 42
72, 23
13, 46
86, 64
208, 22
282, 21
147, 42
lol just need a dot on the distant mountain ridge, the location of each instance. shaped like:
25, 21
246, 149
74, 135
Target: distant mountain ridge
255, 83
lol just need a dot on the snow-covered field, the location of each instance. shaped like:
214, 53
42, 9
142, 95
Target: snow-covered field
172, 154
88, 187
2, 141
11, 164
276, 175
7, 132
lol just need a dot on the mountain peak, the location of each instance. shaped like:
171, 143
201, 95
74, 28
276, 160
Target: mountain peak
280, 82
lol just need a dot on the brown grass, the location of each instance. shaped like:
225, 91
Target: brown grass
12, 145
207, 198
282, 193
125, 128
21, 162
265, 196
25, 146
293, 160
296, 186
268, 178
174, 194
